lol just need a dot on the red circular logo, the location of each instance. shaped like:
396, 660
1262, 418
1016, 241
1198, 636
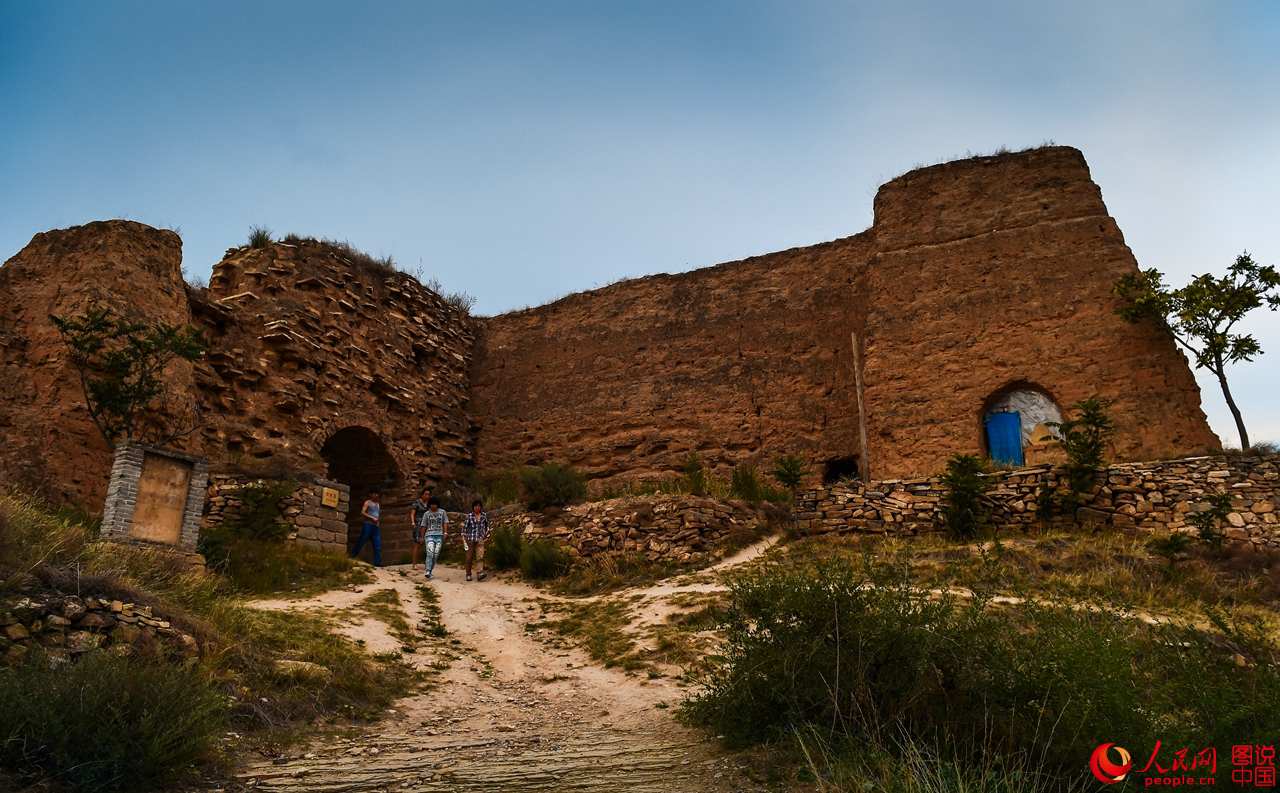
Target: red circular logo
1105, 769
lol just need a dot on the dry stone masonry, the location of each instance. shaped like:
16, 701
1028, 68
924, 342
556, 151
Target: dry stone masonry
679, 529
315, 524
1151, 497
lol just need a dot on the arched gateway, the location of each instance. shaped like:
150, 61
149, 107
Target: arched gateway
358, 458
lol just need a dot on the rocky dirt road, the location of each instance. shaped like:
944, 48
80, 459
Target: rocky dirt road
506, 712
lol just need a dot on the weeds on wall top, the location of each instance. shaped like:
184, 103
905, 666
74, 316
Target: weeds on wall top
260, 237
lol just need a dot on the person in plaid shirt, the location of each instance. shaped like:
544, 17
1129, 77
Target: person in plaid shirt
475, 530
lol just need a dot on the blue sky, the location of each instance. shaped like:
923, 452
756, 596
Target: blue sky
520, 151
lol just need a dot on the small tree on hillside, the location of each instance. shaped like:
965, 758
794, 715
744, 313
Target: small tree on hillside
789, 471
1085, 438
1201, 315
964, 509
121, 363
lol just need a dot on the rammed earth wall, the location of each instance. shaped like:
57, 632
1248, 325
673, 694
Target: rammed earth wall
879, 352
1154, 496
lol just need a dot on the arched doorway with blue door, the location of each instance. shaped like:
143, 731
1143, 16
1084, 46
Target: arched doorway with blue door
1019, 425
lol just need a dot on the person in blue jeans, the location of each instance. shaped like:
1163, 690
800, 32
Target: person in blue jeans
432, 525
371, 513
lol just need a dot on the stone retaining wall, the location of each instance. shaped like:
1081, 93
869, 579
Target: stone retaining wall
67, 626
1154, 496
659, 528
314, 525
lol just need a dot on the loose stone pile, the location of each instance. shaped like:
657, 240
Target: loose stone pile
659, 528
66, 626
1132, 496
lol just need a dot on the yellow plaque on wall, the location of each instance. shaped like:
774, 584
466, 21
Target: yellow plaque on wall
329, 497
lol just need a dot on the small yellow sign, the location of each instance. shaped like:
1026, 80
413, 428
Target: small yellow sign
329, 497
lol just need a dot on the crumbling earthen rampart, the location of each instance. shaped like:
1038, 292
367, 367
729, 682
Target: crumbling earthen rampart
978, 276
876, 354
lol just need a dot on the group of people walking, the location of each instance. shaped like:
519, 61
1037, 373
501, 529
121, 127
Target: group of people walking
430, 526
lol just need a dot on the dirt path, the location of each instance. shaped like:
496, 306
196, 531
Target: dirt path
508, 713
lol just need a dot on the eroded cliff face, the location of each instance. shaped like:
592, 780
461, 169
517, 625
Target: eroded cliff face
997, 273
729, 361
47, 442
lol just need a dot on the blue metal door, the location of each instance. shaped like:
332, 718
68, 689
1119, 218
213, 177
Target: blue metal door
1004, 438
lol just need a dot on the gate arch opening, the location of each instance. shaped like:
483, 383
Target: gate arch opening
358, 458
1019, 425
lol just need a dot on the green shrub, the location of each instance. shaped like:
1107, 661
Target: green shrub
107, 722
248, 546
964, 509
552, 485
745, 483
862, 652
260, 516
1208, 521
1085, 438
496, 488
902, 764
608, 572
505, 546
1170, 546
260, 237
695, 475
543, 559
253, 567
789, 471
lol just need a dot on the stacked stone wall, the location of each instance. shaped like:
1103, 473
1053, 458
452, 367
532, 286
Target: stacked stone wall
1149, 497
311, 523
48, 444
730, 362
306, 341
995, 274
678, 529
881, 349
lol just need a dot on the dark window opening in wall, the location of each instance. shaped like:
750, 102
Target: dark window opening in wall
839, 468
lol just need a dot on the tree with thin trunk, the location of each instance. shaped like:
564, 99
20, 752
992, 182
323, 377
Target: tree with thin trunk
1202, 315
122, 365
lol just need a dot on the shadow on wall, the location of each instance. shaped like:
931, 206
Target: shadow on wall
358, 458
